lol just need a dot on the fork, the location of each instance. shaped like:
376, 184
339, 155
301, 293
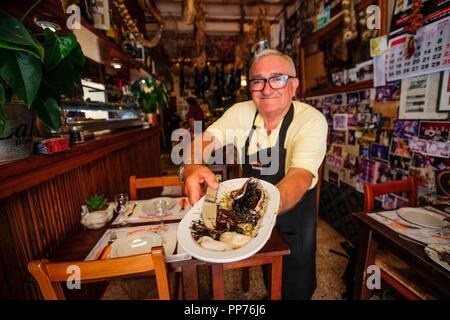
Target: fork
112, 238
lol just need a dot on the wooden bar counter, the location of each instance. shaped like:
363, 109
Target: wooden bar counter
41, 197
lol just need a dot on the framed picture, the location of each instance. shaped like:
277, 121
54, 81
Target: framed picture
379, 152
340, 122
434, 130
400, 147
419, 96
444, 95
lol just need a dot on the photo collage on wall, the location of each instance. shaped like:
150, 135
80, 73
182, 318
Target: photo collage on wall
368, 144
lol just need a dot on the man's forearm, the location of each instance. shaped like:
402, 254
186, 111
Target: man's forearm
292, 188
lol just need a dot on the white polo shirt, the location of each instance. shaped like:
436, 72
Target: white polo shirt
306, 139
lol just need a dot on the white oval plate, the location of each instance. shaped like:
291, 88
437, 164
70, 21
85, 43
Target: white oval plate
134, 244
421, 217
433, 255
263, 234
149, 206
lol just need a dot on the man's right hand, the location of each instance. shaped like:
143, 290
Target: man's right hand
197, 178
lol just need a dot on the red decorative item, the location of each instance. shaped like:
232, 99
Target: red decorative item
50, 146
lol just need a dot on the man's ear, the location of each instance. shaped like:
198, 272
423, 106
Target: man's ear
295, 84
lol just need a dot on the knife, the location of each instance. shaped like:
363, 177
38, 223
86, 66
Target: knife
209, 209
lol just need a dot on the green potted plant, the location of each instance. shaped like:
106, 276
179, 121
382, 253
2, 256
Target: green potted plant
152, 95
33, 76
96, 212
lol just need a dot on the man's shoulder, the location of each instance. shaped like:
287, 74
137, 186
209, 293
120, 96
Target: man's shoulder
306, 112
246, 106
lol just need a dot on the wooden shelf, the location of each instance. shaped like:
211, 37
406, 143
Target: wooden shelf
334, 23
20, 175
345, 88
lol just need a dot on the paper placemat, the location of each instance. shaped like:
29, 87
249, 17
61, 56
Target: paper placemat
168, 233
140, 216
415, 232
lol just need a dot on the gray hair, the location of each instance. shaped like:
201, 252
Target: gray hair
272, 52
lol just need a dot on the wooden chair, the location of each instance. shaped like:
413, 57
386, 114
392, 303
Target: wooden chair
394, 271
49, 275
157, 182
371, 191
152, 182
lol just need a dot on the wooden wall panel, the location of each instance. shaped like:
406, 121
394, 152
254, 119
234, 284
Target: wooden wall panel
33, 222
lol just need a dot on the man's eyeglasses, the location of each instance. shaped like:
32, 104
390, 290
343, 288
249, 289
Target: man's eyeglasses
276, 82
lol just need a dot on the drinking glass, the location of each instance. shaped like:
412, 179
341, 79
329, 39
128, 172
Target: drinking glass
445, 228
121, 204
160, 206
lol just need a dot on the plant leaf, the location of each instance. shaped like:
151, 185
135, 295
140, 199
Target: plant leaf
22, 72
70, 67
49, 111
56, 48
14, 36
2, 110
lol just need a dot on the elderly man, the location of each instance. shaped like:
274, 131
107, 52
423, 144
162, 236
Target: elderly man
292, 135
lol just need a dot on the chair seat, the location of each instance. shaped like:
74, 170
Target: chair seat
404, 275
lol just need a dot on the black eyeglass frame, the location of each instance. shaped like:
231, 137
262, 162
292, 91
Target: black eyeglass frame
267, 81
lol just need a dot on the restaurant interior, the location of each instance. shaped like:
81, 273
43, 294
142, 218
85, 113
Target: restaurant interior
96, 97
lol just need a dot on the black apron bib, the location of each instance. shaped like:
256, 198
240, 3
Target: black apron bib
297, 226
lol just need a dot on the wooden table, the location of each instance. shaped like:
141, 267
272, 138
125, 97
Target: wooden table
374, 233
78, 246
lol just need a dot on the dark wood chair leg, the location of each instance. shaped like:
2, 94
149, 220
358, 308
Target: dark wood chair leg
245, 280
366, 257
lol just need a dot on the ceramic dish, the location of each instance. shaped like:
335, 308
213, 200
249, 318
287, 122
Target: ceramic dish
421, 217
188, 243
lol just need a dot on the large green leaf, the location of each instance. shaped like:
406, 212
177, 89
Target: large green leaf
22, 72
14, 36
2, 111
57, 48
49, 111
70, 67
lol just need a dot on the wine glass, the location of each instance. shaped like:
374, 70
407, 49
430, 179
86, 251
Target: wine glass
445, 228
160, 206
121, 204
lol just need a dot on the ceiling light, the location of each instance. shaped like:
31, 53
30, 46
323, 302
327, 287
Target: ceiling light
116, 64
47, 25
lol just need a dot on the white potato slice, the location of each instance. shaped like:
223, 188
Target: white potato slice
211, 244
235, 239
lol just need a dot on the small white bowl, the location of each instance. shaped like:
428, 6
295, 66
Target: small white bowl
95, 220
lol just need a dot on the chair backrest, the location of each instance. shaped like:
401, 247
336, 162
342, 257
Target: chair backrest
371, 191
152, 182
49, 275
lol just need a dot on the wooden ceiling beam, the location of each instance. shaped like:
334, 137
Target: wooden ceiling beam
246, 3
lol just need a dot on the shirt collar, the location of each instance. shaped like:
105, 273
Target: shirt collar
259, 123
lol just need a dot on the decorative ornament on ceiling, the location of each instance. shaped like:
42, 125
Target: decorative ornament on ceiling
200, 34
189, 11
149, 5
349, 32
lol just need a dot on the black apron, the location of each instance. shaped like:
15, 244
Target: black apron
296, 226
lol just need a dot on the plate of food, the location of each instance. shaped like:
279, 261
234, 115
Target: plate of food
440, 254
245, 216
